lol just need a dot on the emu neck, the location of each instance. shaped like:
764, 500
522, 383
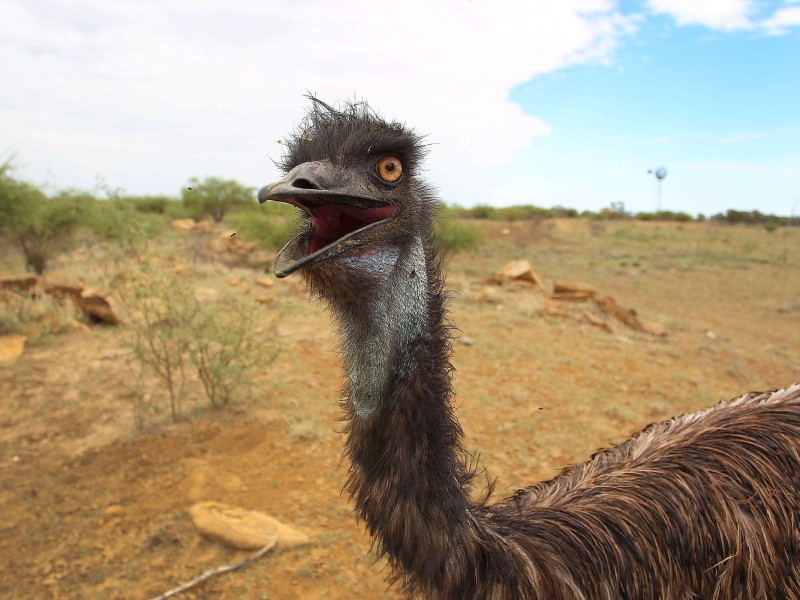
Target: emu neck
408, 473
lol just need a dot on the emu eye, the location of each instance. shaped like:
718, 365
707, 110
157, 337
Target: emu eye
390, 168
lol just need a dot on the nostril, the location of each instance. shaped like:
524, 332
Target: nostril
304, 184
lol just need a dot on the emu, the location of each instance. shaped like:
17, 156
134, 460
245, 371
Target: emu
705, 505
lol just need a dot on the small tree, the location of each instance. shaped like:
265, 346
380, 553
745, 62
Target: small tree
40, 226
214, 197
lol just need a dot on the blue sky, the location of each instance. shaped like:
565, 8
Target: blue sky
524, 101
720, 110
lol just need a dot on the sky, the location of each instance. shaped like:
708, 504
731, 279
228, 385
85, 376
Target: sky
564, 103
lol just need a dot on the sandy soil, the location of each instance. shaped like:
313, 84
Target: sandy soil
92, 508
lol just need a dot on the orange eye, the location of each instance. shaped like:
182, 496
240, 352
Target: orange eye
390, 168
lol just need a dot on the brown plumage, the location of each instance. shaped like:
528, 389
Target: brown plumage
701, 506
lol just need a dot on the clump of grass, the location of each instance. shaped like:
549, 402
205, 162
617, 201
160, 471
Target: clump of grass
37, 316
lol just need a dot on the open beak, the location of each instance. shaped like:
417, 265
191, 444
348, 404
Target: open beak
338, 212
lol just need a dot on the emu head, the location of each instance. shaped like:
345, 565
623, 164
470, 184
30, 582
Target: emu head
355, 178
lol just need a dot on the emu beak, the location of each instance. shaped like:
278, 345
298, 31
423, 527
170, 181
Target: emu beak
339, 211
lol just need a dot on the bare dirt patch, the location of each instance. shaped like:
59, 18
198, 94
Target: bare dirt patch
91, 508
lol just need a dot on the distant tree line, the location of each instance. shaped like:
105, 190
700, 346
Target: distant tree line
616, 211
41, 225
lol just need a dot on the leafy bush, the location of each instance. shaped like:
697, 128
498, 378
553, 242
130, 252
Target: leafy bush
214, 197
174, 330
39, 226
271, 231
121, 222
452, 236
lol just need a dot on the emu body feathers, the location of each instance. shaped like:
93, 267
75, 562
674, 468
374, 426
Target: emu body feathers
705, 505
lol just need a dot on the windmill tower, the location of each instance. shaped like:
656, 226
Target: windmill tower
660, 173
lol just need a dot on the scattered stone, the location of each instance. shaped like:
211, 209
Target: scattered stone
465, 341
242, 529
505, 231
628, 316
518, 270
487, 294
596, 322
204, 227
99, 305
560, 287
265, 281
60, 286
183, 224
571, 296
11, 347
18, 283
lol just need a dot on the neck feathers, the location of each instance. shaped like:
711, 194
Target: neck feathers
409, 475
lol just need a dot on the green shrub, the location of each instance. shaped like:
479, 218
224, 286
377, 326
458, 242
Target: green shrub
39, 226
271, 231
452, 236
174, 331
121, 222
214, 197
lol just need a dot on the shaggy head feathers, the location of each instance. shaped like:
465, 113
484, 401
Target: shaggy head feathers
349, 134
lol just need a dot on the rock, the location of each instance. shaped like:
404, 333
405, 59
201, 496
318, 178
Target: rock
18, 283
559, 287
518, 270
183, 224
487, 294
656, 329
505, 231
204, 226
596, 322
11, 347
60, 286
265, 281
242, 529
628, 316
99, 305
571, 296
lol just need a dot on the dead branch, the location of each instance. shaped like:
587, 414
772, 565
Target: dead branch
216, 571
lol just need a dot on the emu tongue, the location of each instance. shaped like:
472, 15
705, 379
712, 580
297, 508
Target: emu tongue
334, 221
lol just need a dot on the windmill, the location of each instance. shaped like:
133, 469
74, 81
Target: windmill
660, 173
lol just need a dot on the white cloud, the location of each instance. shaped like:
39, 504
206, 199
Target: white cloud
150, 93
782, 20
728, 15
716, 14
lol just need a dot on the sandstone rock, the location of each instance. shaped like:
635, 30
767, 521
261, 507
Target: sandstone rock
60, 286
518, 270
487, 294
99, 305
628, 316
11, 347
266, 281
183, 224
571, 296
596, 322
18, 283
560, 287
242, 529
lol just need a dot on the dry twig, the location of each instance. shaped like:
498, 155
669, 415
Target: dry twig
216, 571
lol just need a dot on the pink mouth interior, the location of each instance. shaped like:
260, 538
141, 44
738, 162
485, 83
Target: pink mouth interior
334, 221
